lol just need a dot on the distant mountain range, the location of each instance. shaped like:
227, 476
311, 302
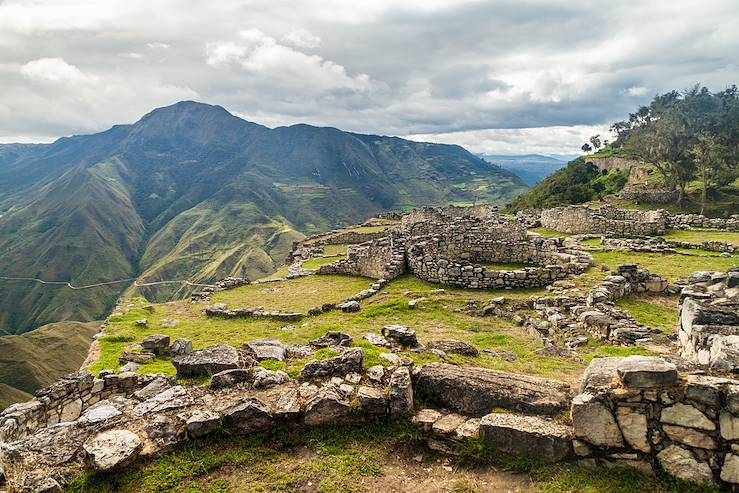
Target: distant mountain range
531, 168
192, 192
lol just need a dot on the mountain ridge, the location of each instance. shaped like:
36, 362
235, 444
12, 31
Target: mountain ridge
192, 191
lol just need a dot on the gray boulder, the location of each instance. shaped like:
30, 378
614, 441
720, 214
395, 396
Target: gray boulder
477, 391
529, 436
267, 350
157, 344
646, 372
350, 306
140, 358
202, 422
111, 449
181, 347
207, 361
400, 391
332, 339
454, 347
327, 407
400, 335
229, 378
249, 416
351, 361
267, 378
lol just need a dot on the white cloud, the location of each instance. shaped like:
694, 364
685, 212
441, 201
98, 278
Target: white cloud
283, 66
54, 70
300, 38
157, 46
636, 91
132, 55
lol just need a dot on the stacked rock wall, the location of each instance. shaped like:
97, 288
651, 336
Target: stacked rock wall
442, 215
696, 221
649, 196
383, 258
641, 412
64, 401
709, 320
607, 219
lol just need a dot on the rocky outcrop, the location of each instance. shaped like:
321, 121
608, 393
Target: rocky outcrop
351, 361
476, 392
210, 361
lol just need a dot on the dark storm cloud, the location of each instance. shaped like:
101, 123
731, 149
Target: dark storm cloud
484, 73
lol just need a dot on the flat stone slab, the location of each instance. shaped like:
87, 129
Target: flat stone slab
207, 361
529, 436
477, 391
646, 372
268, 349
112, 448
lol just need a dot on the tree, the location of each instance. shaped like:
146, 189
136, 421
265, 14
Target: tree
595, 140
586, 148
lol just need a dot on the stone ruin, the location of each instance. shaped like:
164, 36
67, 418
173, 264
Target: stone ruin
452, 245
709, 320
607, 219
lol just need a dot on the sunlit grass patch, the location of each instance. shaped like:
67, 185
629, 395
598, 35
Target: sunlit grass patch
658, 312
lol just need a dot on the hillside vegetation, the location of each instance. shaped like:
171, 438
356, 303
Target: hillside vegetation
687, 141
193, 192
37, 358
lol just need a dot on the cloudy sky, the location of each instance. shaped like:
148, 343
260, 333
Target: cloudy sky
504, 77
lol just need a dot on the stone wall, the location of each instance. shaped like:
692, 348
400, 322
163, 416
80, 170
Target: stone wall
443, 215
456, 259
709, 320
649, 196
641, 412
64, 401
383, 258
696, 221
613, 163
578, 219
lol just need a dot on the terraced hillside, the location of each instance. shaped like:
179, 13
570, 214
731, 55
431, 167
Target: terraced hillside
193, 192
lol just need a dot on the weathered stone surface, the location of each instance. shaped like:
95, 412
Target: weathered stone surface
689, 436
98, 413
476, 391
207, 361
267, 350
400, 335
266, 378
181, 347
646, 372
425, 418
171, 398
229, 378
528, 436
71, 411
729, 425
372, 399
327, 406
299, 352
682, 464
287, 405
686, 415
202, 422
249, 416
157, 344
391, 358
730, 469
140, 358
157, 386
376, 339
454, 347
469, 429
332, 339
400, 391
350, 306
447, 424
376, 373
112, 448
350, 361
633, 425
594, 423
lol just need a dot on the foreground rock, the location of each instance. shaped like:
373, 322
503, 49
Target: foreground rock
207, 361
111, 449
454, 347
527, 436
477, 392
351, 361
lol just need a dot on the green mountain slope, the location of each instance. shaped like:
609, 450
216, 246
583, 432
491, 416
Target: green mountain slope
39, 357
193, 192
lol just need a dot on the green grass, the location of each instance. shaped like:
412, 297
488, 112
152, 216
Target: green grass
366, 457
316, 263
594, 242
699, 236
370, 229
658, 312
294, 295
549, 233
441, 316
334, 250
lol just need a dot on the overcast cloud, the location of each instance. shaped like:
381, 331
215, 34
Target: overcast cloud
500, 77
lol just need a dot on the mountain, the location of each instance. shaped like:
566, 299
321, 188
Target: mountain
531, 168
191, 191
37, 358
